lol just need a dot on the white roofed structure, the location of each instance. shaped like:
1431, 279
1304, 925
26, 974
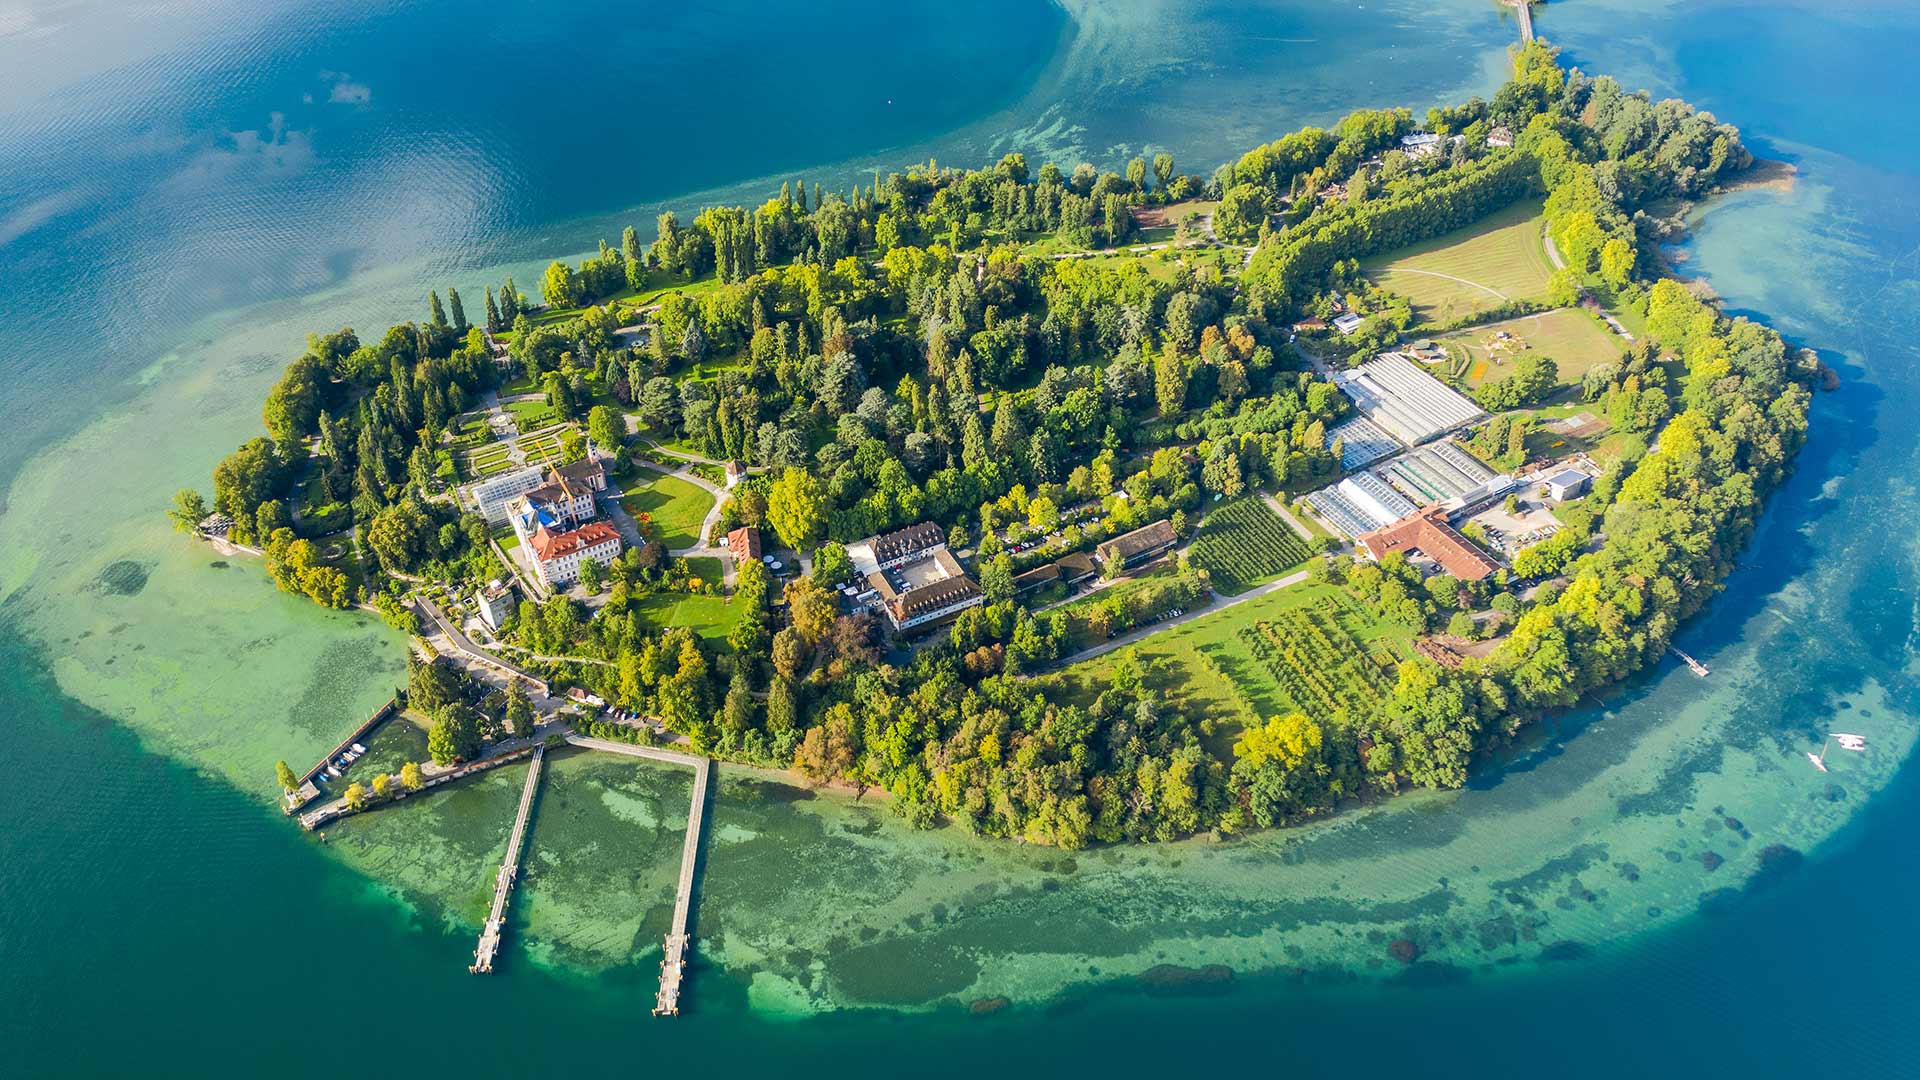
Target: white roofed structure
1404, 401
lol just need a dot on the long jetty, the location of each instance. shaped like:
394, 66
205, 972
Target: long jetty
673, 959
489, 946
1525, 7
1693, 665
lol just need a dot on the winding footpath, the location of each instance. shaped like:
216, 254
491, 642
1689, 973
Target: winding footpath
1220, 603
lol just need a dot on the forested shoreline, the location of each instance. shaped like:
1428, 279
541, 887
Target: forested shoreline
894, 354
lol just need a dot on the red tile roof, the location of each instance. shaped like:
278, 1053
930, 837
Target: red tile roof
744, 542
550, 546
1429, 532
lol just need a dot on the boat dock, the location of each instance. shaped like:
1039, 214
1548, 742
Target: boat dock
673, 959
489, 945
432, 777
307, 790
1699, 668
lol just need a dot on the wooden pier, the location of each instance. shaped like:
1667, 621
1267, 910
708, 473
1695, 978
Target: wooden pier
489, 946
1698, 668
1525, 8
673, 959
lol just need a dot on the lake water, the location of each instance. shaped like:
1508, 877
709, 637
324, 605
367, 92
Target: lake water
187, 189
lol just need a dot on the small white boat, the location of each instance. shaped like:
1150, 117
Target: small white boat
358, 749
333, 771
1818, 762
1849, 742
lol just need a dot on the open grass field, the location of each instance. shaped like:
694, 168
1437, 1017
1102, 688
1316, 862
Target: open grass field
1499, 258
678, 507
1294, 649
530, 415
711, 617
658, 284
1242, 544
468, 430
1574, 339
707, 569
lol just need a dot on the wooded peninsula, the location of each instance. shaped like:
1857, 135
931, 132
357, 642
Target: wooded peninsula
1067, 505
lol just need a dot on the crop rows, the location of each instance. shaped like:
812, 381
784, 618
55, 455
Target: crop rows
1243, 542
1316, 662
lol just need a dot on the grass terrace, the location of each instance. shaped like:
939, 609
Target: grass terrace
707, 569
468, 431
1243, 544
1502, 257
532, 415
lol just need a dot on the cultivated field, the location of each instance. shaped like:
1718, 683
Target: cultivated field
677, 506
1294, 649
1576, 341
1473, 269
1243, 544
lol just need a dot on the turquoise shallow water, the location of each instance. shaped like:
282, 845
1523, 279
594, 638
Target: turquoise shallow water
158, 915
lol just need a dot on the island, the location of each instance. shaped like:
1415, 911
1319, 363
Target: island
1063, 506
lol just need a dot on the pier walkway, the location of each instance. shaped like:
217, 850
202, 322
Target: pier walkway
489, 945
673, 960
1525, 8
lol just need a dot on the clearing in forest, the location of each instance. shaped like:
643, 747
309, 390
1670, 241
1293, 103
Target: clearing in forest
1499, 258
710, 617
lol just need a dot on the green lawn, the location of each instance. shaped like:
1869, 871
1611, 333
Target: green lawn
711, 617
528, 415
469, 431
1501, 257
658, 284
678, 506
707, 569
1574, 339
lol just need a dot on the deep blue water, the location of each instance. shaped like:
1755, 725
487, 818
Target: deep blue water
152, 919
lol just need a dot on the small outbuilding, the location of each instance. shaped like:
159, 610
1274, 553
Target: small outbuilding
1567, 484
